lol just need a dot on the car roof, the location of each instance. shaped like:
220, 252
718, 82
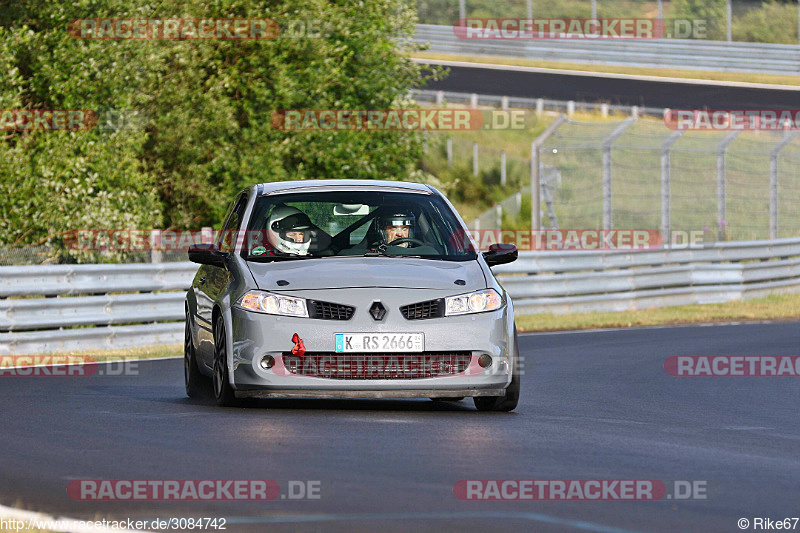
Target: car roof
334, 185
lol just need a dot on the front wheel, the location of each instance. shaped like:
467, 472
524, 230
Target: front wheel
507, 402
223, 392
192, 377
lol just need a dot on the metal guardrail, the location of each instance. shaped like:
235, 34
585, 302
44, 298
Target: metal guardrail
664, 53
582, 281
52, 280
78, 307
89, 307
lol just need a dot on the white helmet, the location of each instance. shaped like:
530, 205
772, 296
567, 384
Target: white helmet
285, 219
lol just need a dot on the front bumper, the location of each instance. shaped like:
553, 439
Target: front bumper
393, 393
255, 335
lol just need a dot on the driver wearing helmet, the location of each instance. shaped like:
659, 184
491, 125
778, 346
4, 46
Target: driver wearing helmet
289, 230
398, 224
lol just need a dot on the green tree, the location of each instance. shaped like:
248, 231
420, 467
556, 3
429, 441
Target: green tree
207, 108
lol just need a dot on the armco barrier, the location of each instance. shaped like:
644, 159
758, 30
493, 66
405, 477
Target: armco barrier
118, 306
694, 54
582, 281
89, 307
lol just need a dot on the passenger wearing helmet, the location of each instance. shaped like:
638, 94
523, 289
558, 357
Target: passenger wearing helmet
289, 230
398, 224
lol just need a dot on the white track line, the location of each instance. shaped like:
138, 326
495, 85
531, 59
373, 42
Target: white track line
641, 77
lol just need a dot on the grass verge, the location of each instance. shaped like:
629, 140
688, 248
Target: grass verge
749, 77
144, 352
779, 307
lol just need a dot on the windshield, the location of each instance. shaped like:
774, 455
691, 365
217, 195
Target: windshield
354, 223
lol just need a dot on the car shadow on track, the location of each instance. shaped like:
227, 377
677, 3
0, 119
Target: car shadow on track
343, 405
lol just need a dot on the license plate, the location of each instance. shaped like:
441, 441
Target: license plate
380, 342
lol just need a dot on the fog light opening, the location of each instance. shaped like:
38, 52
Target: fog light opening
267, 362
485, 360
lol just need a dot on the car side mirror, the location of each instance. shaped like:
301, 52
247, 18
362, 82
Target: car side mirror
207, 254
500, 254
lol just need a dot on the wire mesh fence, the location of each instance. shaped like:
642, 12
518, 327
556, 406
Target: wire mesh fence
639, 174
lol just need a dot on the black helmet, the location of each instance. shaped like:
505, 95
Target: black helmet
395, 218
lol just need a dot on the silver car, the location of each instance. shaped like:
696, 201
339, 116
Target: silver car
349, 289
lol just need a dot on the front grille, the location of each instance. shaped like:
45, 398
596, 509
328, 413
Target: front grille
329, 311
420, 310
377, 365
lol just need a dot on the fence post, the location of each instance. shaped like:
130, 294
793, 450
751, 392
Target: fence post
155, 246
206, 235
607, 142
439, 97
539, 106
722, 223
536, 215
773, 184
570, 108
503, 168
728, 17
473, 100
474, 159
504, 102
604, 110
665, 185
449, 152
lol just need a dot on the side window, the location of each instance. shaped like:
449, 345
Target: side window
228, 235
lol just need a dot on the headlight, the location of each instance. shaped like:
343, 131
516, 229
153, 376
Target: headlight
474, 302
274, 304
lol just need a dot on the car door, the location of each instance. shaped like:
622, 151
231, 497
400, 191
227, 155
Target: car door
211, 281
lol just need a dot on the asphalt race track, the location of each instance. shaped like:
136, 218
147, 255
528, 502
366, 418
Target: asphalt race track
595, 405
621, 91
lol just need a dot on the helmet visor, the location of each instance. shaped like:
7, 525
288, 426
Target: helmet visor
293, 222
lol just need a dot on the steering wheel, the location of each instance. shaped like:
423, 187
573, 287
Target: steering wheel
402, 240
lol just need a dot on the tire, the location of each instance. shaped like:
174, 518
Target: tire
193, 379
507, 402
223, 392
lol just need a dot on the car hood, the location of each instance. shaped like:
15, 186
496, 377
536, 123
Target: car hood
352, 272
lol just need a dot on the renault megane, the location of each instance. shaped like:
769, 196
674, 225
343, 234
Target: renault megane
350, 289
